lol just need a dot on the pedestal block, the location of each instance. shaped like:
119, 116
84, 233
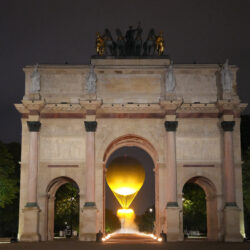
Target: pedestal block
30, 227
174, 232
232, 224
88, 223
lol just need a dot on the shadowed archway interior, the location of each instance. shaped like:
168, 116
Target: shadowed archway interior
52, 189
211, 205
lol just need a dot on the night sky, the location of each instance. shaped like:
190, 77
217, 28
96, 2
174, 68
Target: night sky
59, 31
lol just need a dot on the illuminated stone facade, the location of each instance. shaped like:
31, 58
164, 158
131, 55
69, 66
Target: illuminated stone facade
191, 130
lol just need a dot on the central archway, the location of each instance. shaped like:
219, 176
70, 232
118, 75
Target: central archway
131, 140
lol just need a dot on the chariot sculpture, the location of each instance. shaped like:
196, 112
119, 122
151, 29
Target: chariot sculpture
131, 44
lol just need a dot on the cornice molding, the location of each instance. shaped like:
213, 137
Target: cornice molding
33, 105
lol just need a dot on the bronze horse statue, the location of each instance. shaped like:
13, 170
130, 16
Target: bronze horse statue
138, 41
149, 44
120, 43
109, 44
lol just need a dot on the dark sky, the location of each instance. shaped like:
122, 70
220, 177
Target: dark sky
56, 31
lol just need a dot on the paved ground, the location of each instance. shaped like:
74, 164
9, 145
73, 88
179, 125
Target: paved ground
130, 243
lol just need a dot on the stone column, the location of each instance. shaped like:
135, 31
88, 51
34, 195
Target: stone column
172, 209
231, 211
88, 222
227, 127
51, 216
31, 210
171, 127
90, 128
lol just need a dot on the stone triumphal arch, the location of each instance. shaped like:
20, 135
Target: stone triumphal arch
185, 116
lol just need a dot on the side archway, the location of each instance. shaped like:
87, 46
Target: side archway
51, 190
211, 205
131, 140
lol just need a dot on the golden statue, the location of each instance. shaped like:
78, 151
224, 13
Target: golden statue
100, 48
159, 44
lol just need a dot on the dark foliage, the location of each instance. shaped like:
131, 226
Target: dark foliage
194, 208
67, 207
10, 182
112, 222
146, 221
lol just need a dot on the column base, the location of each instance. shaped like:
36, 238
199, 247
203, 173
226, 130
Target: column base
30, 226
88, 223
232, 224
174, 227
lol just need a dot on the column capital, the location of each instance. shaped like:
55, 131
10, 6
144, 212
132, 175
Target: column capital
90, 126
172, 204
34, 126
228, 125
230, 204
171, 125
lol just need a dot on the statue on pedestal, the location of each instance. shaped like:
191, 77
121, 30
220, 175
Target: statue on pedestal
35, 81
226, 77
91, 81
170, 79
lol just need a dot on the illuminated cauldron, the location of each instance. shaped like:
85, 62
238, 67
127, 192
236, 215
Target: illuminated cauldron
125, 177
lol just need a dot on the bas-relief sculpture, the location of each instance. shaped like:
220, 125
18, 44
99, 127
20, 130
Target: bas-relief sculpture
226, 77
91, 81
35, 81
170, 79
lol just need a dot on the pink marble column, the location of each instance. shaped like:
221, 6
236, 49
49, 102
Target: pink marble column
171, 163
228, 126
90, 127
34, 127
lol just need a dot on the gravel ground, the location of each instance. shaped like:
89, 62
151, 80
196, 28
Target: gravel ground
77, 245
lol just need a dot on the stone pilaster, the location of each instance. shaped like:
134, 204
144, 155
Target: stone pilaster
31, 210
171, 127
172, 209
227, 127
88, 221
231, 211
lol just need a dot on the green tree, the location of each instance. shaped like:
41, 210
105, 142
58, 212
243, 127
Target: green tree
194, 208
10, 170
112, 222
145, 222
67, 207
246, 189
8, 179
245, 149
